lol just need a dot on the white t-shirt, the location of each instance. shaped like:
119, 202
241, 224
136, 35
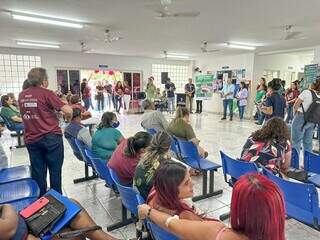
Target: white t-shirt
306, 97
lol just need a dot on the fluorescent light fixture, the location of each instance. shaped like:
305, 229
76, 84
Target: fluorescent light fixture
38, 44
238, 46
45, 20
176, 55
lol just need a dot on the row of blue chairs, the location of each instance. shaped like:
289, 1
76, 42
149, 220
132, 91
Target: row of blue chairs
129, 196
187, 152
302, 200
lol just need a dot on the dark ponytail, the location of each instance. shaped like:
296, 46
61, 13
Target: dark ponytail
134, 144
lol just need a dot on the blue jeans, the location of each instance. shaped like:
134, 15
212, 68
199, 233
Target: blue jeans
47, 154
108, 100
171, 107
290, 114
118, 102
241, 111
19, 126
261, 117
299, 134
100, 104
226, 103
87, 103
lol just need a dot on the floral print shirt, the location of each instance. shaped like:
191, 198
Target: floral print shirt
268, 154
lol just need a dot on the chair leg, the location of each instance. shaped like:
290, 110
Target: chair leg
205, 194
19, 136
125, 221
86, 177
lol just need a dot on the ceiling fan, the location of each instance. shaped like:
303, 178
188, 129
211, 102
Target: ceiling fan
290, 34
110, 36
84, 48
204, 48
163, 12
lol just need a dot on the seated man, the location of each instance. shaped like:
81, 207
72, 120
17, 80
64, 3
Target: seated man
152, 118
10, 112
75, 130
13, 227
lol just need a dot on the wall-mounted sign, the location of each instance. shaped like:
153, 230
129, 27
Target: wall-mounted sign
103, 67
225, 67
290, 68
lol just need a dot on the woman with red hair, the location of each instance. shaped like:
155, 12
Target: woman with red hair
172, 185
257, 213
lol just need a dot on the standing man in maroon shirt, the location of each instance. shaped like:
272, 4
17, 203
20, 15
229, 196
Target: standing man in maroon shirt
43, 136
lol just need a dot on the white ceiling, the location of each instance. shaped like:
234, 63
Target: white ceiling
250, 21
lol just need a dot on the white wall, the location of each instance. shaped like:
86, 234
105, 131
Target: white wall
51, 60
210, 62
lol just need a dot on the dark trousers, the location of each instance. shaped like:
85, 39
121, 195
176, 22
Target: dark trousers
47, 154
190, 101
100, 103
118, 102
199, 106
226, 103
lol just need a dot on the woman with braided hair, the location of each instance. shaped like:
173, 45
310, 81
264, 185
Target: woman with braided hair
155, 154
127, 155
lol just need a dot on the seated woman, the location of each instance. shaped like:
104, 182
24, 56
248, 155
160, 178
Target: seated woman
180, 128
75, 102
125, 158
10, 112
152, 118
250, 191
13, 227
106, 139
155, 154
269, 146
172, 185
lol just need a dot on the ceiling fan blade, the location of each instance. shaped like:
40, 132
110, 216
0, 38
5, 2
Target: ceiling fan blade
291, 35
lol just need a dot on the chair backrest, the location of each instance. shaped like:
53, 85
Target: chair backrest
236, 168
175, 147
8, 123
311, 162
100, 168
189, 152
128, 194
301, 199
75, 149
82, 146
151, 131
294, 159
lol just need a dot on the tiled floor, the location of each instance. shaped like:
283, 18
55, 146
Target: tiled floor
104, 206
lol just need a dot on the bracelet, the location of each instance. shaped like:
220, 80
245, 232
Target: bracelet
169, 219
149, 212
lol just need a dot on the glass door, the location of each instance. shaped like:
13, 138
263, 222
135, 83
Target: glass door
68, 80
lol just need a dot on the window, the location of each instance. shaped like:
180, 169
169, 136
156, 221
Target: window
14, 70
178, 74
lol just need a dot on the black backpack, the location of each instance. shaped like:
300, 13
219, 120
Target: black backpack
313, 113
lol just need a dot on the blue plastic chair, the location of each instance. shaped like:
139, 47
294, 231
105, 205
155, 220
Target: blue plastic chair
14, 174
294, 159
311, 162
156, 231
192, 158
18, 132
151, 131
302, 200
234, 169
18, 190
74, 147
101, 169
129, 202
87, 162
175, 148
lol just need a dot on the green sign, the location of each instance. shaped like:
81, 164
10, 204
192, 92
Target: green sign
311, 73
204, 86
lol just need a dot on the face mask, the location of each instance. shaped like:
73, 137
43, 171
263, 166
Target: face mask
115, 124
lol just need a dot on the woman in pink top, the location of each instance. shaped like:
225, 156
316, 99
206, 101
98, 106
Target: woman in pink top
127, 155
257, 213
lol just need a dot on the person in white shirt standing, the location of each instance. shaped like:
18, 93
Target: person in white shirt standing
227, 94
302, 131
242, 97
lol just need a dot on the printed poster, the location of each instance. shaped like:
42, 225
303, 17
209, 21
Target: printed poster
204, 86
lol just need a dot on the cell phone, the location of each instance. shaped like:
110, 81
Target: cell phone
34, 207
